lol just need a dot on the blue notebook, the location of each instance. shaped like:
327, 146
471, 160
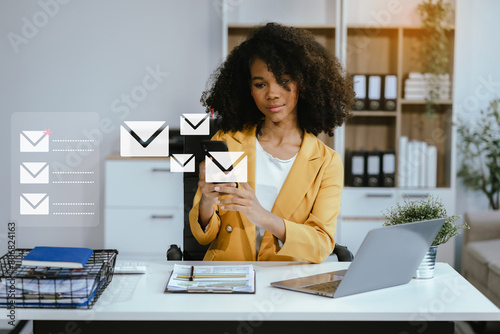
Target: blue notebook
62, 257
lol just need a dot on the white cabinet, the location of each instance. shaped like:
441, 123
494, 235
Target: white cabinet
363, 209
143, 207
352, 232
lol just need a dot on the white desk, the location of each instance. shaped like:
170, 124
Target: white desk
447, 297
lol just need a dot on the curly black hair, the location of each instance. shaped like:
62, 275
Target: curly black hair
325, 91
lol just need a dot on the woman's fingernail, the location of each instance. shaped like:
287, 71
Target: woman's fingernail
217, 201
217, 188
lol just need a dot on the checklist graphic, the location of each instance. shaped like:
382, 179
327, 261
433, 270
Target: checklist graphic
34, 204
34, 141
34, 173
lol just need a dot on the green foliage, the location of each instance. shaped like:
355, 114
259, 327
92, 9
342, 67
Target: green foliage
428, 207
435, 55
479, 145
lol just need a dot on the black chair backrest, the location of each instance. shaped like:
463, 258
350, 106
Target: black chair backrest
192, 145
343, 254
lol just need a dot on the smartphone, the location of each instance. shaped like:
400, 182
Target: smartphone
216, 146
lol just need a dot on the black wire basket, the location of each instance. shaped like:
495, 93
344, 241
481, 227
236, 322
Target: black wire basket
51, 287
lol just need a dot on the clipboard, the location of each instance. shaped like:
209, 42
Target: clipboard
226, 279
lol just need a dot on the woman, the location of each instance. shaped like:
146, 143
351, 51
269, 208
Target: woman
274, 93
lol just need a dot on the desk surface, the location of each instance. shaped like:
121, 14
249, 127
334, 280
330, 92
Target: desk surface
446, 297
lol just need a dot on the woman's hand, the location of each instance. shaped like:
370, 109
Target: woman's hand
244, 200
209, 195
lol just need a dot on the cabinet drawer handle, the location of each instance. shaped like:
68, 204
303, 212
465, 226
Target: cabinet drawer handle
423, 196
363, 218
160, 170
162, 216
379, 195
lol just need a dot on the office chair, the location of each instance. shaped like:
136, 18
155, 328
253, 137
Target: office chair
343, 254
193, 251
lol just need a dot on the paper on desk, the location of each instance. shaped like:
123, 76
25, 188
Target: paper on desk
239, 278
61, 287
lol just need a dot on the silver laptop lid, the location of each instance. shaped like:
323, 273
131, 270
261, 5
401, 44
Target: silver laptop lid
389, 256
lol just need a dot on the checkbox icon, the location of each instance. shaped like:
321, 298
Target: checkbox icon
34, 204
182, 163
34, 141
195, 124
144, 139
34, 173
226, 167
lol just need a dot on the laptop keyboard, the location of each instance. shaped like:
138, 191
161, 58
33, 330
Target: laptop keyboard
324, 287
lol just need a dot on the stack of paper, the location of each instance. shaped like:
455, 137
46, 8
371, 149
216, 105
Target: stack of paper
418, 86
77, 291
417, 164
232, 278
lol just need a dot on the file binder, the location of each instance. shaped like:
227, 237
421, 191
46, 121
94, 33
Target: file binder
356, 168
373, 164
360, 87
390, 92
374, 92
388, 168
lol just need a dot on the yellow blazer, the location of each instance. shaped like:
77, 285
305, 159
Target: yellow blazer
309, 203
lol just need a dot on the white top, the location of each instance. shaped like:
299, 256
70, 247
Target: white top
446, 297
270, 174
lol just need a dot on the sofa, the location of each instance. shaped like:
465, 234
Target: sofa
481, 253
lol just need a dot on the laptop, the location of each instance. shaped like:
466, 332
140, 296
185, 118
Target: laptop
388, 256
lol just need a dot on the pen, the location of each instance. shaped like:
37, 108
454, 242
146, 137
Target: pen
192, 272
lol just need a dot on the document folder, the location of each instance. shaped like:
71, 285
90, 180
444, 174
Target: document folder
388, 168
373, 164
356, 168
359, 85
374, 92
390, 92
212, 279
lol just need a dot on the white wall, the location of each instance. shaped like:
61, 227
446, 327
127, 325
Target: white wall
476, 70
477, 77
82, 56
312, 12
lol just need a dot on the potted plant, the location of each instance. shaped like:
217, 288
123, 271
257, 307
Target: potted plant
479, 145
436, 20
429, 207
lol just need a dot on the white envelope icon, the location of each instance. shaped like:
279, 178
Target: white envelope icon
34, 172
195, 124
180, 163
34, 204
144, 139
34, 141
226, 167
